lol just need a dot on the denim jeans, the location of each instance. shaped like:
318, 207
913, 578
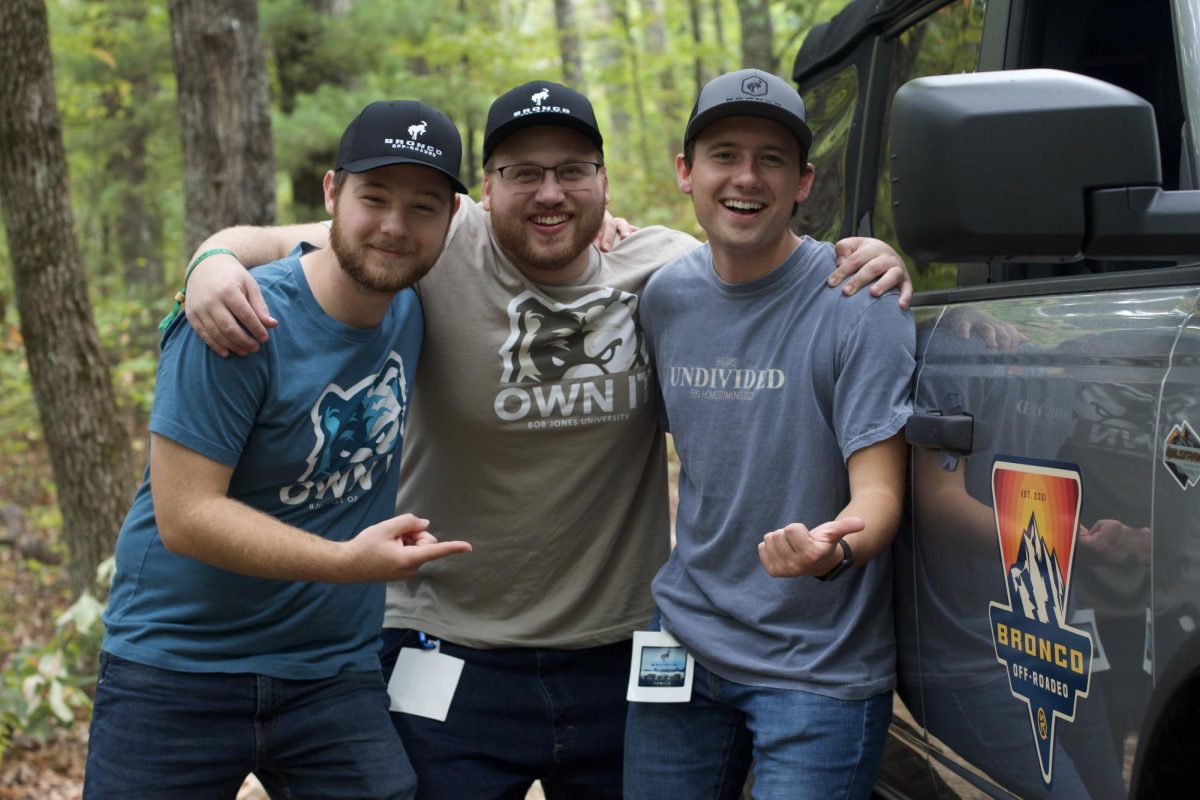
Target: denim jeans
520, 715
802, 745
159, 733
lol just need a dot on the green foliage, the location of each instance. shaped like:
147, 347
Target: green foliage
116, 96
44, 684
19, 425
116, 93
128, 328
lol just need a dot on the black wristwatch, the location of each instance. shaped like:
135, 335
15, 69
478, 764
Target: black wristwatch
846, 563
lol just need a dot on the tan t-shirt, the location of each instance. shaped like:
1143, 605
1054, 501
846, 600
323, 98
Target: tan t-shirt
532, 434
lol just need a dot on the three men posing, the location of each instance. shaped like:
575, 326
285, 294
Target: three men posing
533, 435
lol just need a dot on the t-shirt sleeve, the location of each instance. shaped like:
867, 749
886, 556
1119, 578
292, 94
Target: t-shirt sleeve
204, 402
646, 308
873, 389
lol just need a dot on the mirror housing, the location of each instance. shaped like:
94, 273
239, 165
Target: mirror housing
1032, 165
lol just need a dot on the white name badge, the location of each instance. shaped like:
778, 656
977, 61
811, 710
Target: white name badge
661, 670
423, 682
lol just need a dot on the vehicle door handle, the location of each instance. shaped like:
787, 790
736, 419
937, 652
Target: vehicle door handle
953, 433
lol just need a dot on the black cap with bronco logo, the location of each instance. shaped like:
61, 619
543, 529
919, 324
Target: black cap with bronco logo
539, 103
402, 132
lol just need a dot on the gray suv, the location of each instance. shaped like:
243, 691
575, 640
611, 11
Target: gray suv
1035, 161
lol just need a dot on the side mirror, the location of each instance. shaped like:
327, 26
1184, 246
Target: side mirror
1034, 165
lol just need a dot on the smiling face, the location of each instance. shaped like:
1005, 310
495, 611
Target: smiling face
746, 174
547, 231
389, 224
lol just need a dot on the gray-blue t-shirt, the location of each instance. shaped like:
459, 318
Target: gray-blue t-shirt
312, 425
768, 387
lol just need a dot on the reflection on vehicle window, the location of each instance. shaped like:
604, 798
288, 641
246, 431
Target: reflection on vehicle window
830, 109
944, 43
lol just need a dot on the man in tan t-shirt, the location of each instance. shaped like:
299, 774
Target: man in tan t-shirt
532, 433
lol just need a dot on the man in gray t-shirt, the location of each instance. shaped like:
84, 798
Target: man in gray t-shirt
787, 410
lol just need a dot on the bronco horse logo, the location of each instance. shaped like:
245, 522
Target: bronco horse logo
595, 335
416, 130
540, 96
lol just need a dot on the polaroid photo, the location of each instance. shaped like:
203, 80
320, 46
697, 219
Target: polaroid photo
661, 669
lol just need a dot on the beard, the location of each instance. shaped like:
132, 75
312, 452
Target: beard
528, 249
392, 276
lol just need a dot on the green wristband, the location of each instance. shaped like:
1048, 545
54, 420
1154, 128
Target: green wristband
181, 295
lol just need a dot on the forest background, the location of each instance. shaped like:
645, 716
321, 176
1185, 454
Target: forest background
179, 117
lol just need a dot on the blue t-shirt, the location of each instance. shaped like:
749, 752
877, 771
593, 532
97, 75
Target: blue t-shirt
312, 425
768, 387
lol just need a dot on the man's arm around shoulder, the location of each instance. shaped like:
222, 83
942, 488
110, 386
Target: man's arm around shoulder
223, 302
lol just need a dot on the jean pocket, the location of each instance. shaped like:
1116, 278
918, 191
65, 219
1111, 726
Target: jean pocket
105, 658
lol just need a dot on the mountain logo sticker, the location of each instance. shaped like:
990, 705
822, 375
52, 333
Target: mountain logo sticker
1049, 663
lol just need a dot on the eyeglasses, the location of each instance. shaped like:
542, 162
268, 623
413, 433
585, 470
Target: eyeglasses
572, 176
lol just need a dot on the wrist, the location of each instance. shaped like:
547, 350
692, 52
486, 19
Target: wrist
342, 561
181, 295
845, 560
829, 562
203, 255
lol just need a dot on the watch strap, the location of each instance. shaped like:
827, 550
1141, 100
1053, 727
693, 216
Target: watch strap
843, 565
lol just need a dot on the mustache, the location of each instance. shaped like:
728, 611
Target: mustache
394, 248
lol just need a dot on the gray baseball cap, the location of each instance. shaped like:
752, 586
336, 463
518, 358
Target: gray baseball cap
749, 93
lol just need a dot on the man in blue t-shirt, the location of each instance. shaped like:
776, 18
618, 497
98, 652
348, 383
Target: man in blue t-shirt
786, 404
241, 631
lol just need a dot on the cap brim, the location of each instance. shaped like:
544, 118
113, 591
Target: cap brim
367, 164
751, 108
530, 120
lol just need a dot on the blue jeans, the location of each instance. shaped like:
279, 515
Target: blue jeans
159, 733
520, 715
802, 745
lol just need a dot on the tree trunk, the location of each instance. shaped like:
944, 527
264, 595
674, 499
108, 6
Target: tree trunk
613, 61
758, 37
466, 119
568, 42
697, 26
224, 115
622, 68
302, 68
719, 28
621, 11
89, 450
137, 228
670, 98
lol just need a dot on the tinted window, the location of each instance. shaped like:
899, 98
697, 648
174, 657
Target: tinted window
944, 43
1128, 43
830, 110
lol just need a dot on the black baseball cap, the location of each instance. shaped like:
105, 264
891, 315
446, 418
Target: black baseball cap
539, 103
749, 93
402, 132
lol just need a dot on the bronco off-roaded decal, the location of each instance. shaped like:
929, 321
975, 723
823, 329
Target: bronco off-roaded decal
1049, 663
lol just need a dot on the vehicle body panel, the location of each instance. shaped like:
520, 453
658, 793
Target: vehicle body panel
1073, 518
